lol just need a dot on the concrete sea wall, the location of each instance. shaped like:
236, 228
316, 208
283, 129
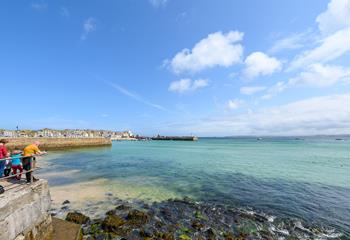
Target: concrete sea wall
24, 212
58, 143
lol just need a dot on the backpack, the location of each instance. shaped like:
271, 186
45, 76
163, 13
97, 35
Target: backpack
2, 190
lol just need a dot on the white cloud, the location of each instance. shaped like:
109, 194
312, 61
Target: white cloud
104, 115
218, 49
251, 90
136, 97
89, 26
319, 75
158, 3
336, 17
331, 47
316, 75
259, 64
318, 115
234, 104
334, 24
186, 85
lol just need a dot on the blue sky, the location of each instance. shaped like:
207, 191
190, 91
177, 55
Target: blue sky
210, 68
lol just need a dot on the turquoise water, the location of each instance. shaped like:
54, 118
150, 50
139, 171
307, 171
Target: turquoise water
307, 179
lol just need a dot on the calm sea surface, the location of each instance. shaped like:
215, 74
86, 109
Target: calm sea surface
307, 179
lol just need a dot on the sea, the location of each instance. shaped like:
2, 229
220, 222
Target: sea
305, 178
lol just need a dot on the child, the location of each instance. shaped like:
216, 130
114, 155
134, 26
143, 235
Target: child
17, 163
7, 169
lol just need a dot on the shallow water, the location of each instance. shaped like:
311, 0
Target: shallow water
307, 179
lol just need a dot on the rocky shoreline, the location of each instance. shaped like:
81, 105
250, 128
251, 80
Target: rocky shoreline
187, 219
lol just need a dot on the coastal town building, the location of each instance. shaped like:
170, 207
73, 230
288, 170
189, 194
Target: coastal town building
66, 133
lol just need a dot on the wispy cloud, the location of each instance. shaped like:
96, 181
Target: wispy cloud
292, 42
64, 12
136, 96
250, 90
158, 3
39, 6
89, 26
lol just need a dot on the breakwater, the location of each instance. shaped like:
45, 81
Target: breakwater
59, 143
175, 138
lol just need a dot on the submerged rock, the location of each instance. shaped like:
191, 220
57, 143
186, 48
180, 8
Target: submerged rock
197, 225
112, 223
77, 218
184, 237
123, 207
136, 217
186, 219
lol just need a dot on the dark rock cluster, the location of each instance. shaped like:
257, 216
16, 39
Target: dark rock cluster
185, 219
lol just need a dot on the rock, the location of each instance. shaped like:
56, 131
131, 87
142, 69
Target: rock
77, 218
111, 212
184, 237
145, 206
65, 208
112, 223
93, 228
101, 236
159, 224
136, 217
229, 236
66, 202
197, 225
146, 233
53, 213
166, 213
164, 236
88, 237
122, 207
211, 235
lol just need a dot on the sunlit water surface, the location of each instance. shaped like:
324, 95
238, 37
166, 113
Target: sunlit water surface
307, 178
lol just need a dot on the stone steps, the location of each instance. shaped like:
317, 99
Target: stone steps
64, 230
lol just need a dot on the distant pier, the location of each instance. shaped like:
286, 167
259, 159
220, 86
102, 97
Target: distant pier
174, 138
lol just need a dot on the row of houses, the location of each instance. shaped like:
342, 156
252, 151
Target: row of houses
67, 133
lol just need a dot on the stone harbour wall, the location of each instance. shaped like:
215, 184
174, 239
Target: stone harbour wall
58, 143
24, 212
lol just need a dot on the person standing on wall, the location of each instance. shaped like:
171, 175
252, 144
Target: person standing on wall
29, 160
3, 154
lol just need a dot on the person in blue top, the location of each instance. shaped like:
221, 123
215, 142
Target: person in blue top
17, 163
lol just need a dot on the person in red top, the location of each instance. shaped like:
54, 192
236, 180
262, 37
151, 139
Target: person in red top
3, 154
